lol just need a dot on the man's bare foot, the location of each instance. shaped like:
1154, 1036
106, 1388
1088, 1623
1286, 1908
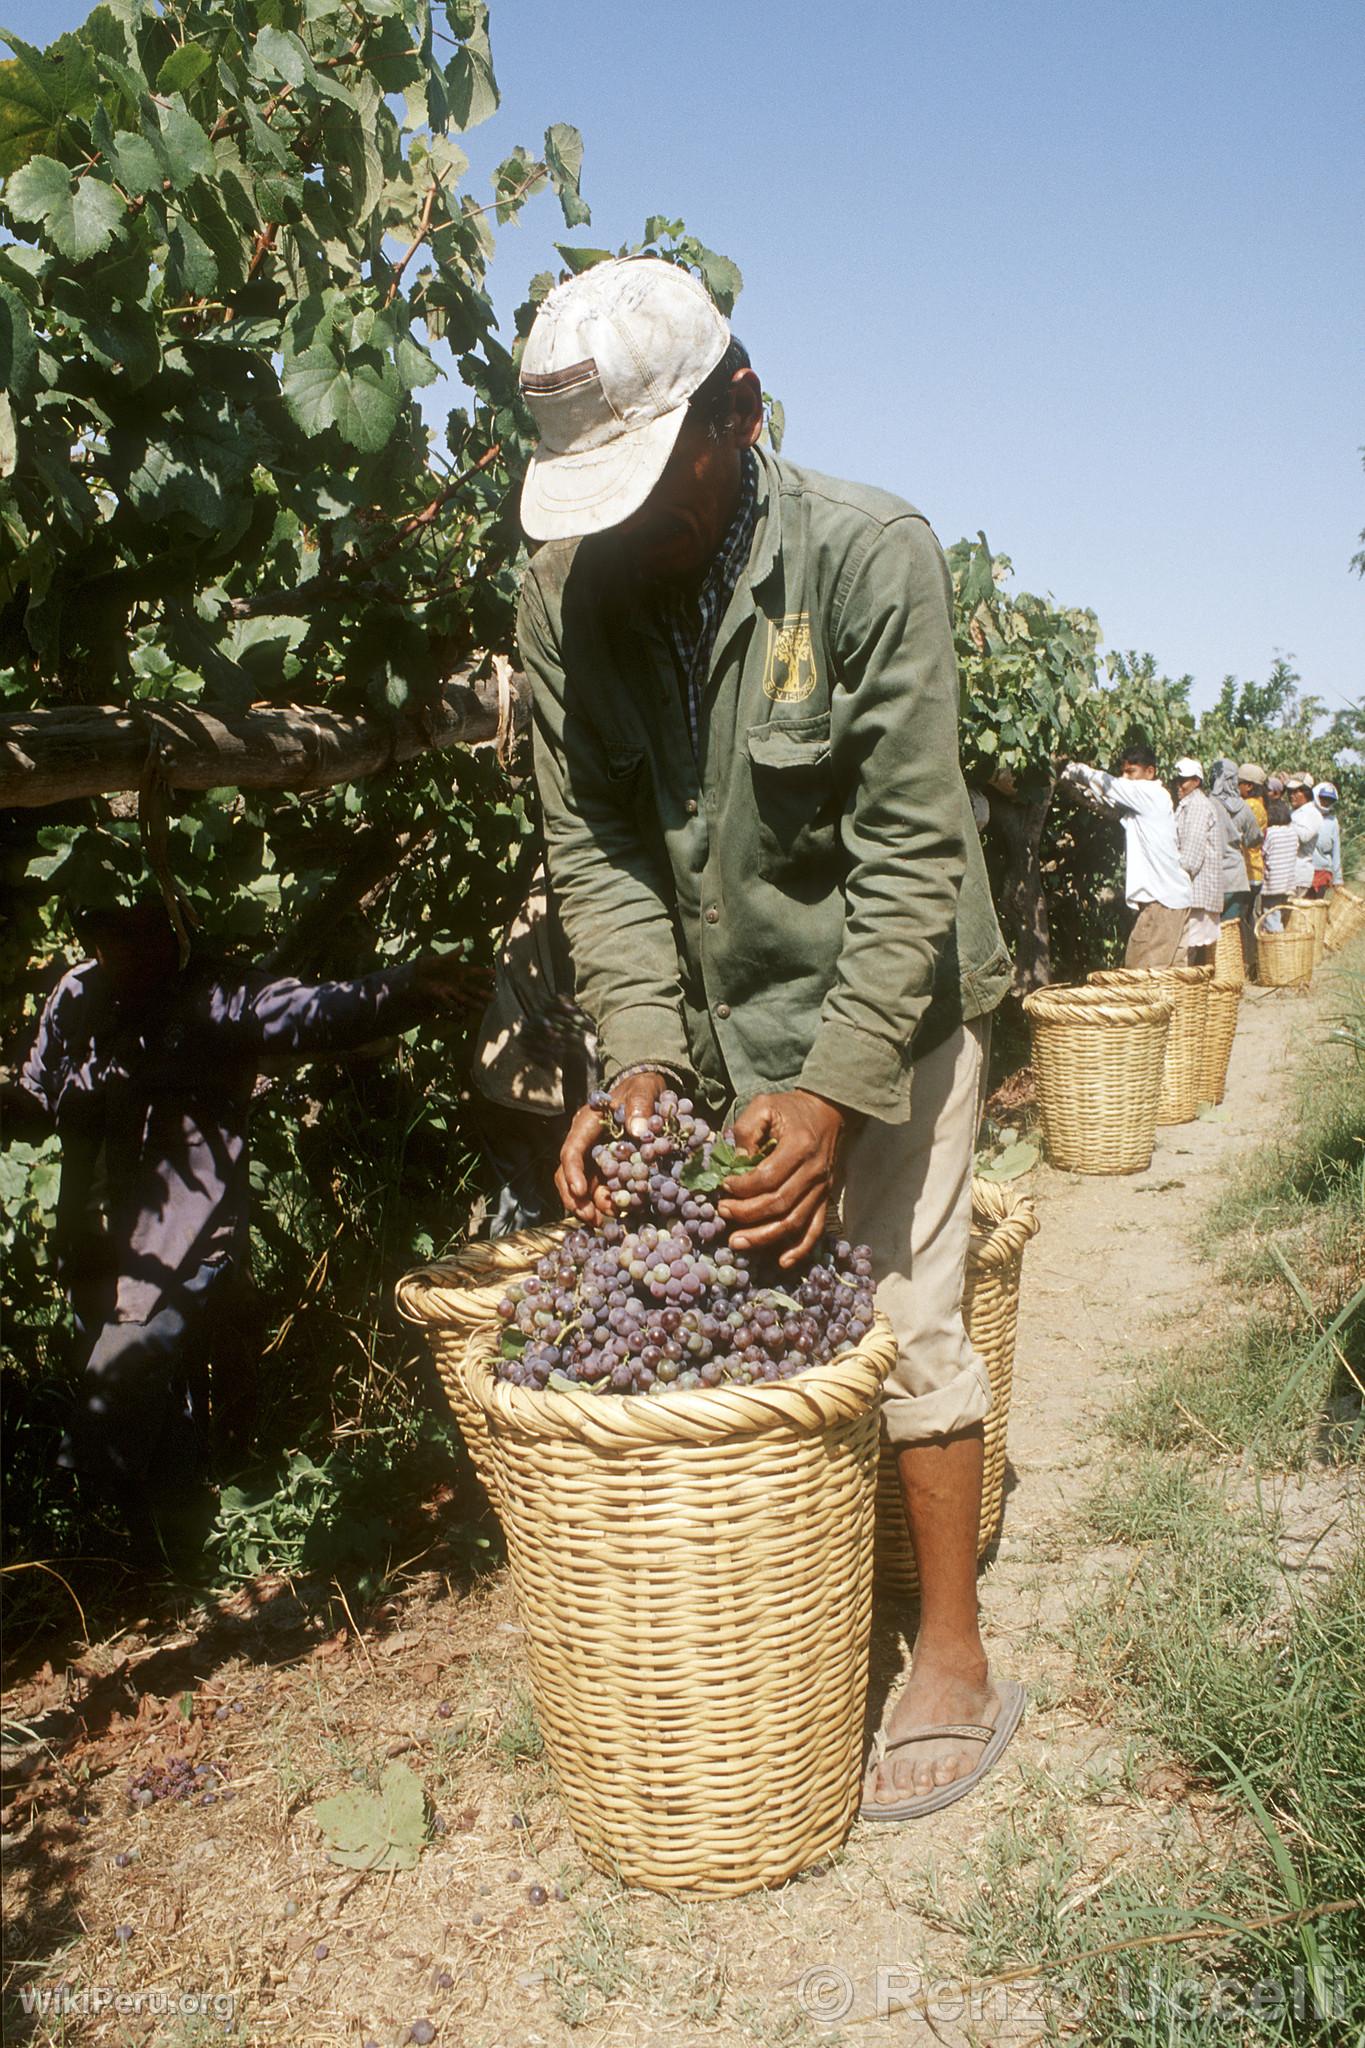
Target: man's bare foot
937, 1691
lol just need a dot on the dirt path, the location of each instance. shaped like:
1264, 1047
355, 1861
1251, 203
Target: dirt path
239, 1900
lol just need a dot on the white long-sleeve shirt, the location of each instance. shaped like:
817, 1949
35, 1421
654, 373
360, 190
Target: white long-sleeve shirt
1307, 822
1153, 870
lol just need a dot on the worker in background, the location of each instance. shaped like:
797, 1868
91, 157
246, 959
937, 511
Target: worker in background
1200, 840
1327, 871
1242, 833
146, 1070
1156, 886
1306, 819
1251, 787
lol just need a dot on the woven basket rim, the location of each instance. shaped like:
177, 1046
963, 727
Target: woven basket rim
1000, 1236
442, 1284
1299, 938
1075, 1003
812, 1401
1137, 977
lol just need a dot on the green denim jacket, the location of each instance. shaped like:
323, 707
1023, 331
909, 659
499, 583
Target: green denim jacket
807, 906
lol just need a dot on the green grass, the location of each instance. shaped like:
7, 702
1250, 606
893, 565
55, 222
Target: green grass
1281, 1387
1216, 1654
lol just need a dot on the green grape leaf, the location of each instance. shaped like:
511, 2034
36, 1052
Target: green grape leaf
358, 400
79, 215
1011, 1163
136, 163
703, 1176
183, 68
18, 350
39, 91
564, 161
578, 260
183, 147
471, 88
376, 1831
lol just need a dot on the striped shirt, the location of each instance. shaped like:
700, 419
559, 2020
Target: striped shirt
1201, 850
692, 619
1280, 847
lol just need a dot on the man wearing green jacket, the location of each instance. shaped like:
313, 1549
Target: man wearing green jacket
745, 716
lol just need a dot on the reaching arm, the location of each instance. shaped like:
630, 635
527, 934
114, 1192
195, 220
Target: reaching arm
311, 1018
613, 898
1114, 793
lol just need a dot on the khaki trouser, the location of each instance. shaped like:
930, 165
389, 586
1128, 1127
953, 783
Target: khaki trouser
908, 1196
1158, 937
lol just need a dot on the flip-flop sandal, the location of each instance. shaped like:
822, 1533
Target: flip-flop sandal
995, 1735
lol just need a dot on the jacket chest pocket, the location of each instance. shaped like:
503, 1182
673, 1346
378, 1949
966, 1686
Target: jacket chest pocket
794, 801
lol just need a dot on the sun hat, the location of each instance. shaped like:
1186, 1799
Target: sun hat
1275, 786
1249, 772
609, 366
1326, 792
1299, 782
1186, 767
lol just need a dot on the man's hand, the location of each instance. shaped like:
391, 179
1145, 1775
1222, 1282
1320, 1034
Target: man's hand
576, 1181
449, 983
788, 1195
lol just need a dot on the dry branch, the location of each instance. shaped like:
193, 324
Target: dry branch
49, 757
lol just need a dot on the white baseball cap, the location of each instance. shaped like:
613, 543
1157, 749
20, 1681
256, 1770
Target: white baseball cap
1185, 768
609, 366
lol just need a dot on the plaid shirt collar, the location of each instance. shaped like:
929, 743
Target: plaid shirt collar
693, 621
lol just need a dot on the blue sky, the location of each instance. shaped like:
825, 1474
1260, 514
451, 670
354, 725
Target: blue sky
1085, 275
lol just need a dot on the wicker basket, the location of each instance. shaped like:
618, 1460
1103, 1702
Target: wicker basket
1188, 988
1310, 912
695, 1580
1345, 918
1284, 959
1002, 1224
452, 1298
1220, 1028
1098, 1056
1229, 959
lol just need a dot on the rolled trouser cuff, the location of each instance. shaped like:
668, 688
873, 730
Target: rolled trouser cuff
942, 1411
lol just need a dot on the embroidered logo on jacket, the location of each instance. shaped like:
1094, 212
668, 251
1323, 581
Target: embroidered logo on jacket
789, 672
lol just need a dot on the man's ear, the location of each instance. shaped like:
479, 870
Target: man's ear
746, 408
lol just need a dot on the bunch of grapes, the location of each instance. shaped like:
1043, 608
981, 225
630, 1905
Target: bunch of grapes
654, 1297
177, 1778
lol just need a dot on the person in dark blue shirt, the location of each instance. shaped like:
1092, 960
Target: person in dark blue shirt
146, 1070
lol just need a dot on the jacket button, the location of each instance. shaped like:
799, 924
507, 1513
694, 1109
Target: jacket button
691, 807
713, 915
722, 1011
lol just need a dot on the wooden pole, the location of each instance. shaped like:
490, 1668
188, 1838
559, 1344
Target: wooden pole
52, 756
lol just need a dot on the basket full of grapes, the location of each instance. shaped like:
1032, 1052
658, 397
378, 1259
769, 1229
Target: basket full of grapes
682, 1446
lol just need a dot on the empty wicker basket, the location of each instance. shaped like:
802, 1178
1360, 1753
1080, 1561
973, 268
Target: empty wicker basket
1098, 1055
1220, 1028
1345, 918
695, 1580
1002, 1224
1188, 988
1310, 911
1229, 959
1284, 959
